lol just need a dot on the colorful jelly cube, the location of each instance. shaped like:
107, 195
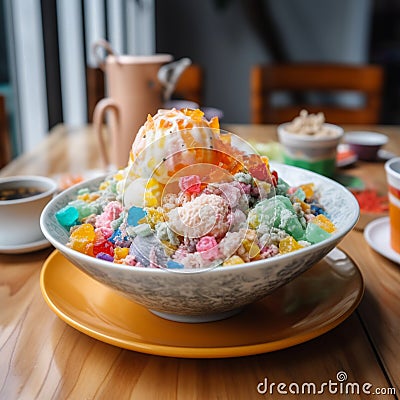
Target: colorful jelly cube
103, 246
268, 211
308, 190
282, 187
82, 239
279, 212
315, 234
117, 237
233, 260
292, 226
299, 194
317, 210
251, 247
190, 184
67, 216
174, 265
105, 257
135, 214
325, 223
288, 245
84, 209
120, 253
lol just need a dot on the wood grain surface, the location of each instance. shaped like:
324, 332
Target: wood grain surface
41, 357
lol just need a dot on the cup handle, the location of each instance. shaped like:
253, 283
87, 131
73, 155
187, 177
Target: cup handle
98, 117
102, 44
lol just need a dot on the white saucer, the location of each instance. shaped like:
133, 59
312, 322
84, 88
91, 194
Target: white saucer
25, 248
377, 234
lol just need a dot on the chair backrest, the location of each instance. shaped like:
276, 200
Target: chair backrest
306, 82
5, 141
189, 86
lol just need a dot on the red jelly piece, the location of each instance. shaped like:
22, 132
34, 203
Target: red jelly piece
190, 184
103, 246
274, 178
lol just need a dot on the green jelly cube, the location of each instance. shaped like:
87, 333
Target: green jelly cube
291, 225
299, 193
279, 213
67, 216
268, 212
84, 209
282, 187
315, 234
285, 201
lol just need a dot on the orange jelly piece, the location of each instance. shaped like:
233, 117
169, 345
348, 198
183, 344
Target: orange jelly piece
308, 190
82, 239
325, 223
289, 244
196, 115
121, 252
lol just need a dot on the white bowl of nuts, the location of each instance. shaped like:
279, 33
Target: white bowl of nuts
311, 143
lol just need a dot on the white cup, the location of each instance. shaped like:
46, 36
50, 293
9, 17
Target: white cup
392, 168
19, 218
315, 153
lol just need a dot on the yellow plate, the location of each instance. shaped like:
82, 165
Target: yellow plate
309, 306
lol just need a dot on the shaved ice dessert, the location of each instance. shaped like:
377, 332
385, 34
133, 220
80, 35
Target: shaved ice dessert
192, 197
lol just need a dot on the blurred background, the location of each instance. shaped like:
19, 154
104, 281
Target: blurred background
46, 56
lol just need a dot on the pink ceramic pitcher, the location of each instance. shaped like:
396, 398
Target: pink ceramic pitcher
133, 91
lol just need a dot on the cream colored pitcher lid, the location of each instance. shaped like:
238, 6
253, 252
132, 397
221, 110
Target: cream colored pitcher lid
113, 57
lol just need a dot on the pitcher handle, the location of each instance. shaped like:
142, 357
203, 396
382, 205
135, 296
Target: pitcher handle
98, 117
169, 74
104, 45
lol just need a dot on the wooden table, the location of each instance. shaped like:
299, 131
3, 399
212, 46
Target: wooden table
41, 357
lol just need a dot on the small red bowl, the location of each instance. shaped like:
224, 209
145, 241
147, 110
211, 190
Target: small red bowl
365, 144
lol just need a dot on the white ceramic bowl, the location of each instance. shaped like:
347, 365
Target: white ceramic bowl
215, 293
20, 217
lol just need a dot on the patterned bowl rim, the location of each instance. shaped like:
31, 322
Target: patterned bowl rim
334, 238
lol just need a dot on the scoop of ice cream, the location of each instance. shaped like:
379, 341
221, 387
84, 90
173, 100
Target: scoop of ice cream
172, 141
157, 127
207, 214
167, 142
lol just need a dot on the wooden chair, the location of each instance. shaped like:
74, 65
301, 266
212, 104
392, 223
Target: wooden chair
323, 80
189, 87
5, 141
